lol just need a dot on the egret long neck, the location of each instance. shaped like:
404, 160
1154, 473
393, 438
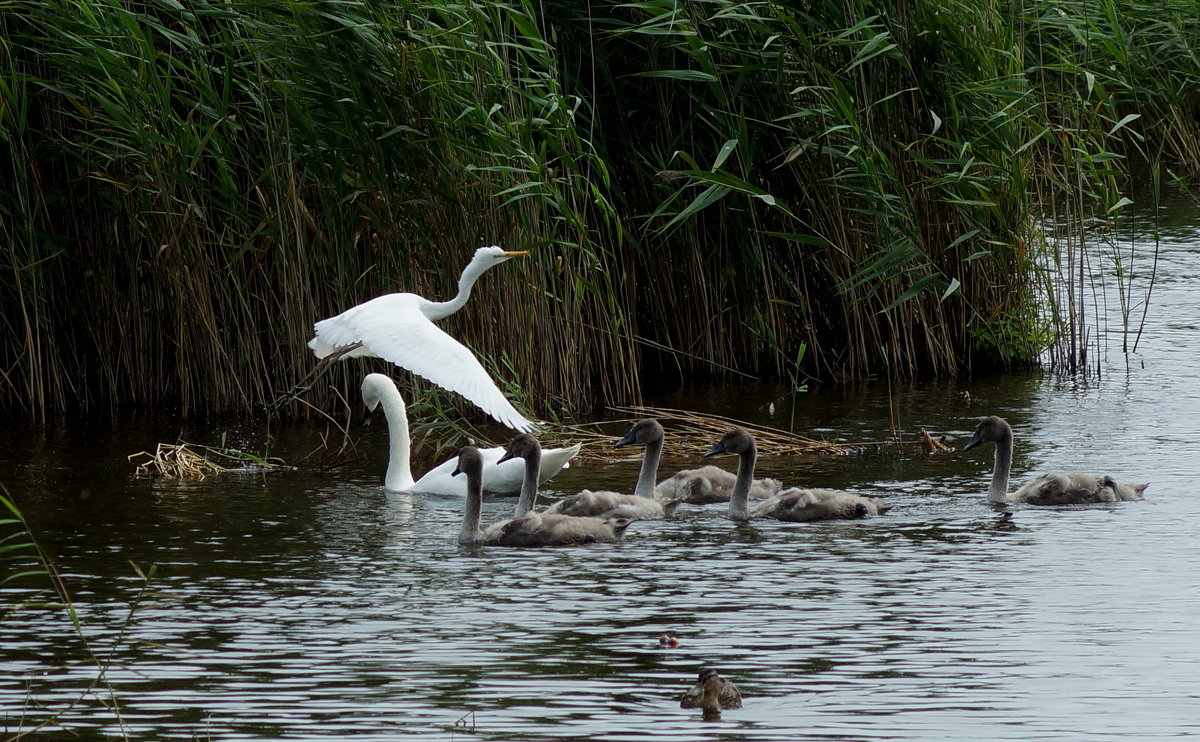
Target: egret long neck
529, 484
469, 534
399, 471
436, 310
741, 486
998, 490
649, 472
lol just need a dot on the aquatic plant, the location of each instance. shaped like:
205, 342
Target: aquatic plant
706, 186
197, 462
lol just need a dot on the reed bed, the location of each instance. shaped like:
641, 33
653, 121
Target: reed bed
691, 434
710, 189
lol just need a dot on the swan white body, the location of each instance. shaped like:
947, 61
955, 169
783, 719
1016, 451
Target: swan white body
530, 528
399, 328
642, 503
1054, 488
379, 390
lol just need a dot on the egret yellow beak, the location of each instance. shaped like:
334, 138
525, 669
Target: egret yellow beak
514, 254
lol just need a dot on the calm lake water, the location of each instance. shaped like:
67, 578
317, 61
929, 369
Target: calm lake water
316, 606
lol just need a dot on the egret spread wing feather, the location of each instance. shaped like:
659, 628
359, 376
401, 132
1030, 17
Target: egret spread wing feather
391, 328
399, 328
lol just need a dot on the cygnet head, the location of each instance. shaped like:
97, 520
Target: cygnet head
989, 430
643, 432
493, 255
523, 446
469, 461
736, 441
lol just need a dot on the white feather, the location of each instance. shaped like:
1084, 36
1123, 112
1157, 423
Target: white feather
399, 328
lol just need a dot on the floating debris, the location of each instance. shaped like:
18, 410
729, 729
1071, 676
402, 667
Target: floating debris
929, 444
197, 462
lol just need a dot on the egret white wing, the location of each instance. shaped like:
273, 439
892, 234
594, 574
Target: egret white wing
392, 327
338, 332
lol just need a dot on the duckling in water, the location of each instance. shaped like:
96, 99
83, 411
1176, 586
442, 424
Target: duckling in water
711, 693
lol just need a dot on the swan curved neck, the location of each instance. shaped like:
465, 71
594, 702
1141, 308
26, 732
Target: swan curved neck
649, 472
436, 310
399, 471
741, 486
998, 490
529, 484
470, 534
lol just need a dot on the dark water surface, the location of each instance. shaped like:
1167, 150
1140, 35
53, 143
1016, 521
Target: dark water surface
317, 606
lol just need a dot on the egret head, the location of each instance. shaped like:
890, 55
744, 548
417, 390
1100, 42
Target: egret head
493, 255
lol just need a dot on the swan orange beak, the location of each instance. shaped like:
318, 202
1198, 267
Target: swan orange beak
514, 253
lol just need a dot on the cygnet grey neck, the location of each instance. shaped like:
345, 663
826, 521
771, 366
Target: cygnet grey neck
529, 484
470, 525
741, 486
998, 490
649, 472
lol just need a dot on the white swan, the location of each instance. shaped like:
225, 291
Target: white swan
532, 528
400, 329
379, 390
642, 503
1054, 488
798, 505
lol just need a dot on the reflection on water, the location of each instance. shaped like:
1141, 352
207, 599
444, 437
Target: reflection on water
311, 606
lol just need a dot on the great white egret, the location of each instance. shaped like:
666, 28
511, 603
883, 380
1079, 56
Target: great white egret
399, 328
379, 390
531, 529
791, 504
1054, 488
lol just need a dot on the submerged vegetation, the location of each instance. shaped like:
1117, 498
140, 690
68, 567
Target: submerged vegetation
709, 188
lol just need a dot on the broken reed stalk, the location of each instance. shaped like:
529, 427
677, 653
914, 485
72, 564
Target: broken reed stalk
198, 462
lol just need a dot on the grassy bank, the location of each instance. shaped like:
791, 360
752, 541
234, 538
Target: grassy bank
842, 192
